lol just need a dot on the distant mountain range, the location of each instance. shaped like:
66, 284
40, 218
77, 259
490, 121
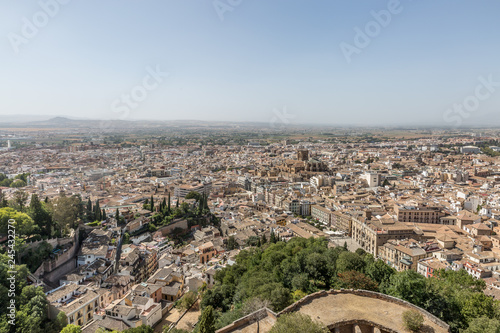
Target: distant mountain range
65, 122
36, 121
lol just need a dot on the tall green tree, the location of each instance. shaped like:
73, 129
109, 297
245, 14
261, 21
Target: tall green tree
19, 200
207, 321
409, 286
206, 203
97, 211
231, 243
64, 211
89, 211
272, 238
356, 280
263, 239
199, 211
193, 195
40, 215
349, 261
379, 271
31, 302
23, 222
169, 210
483, 325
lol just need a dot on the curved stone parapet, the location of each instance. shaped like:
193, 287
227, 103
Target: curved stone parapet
344, 311
361, 311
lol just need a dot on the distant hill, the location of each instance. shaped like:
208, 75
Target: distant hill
94, 124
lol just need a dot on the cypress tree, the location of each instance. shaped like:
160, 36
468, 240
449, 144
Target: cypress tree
89, 211
200, 205
207, 321
40, 216
168, 210
89, 205
97, 210
152, 203
206, 203
273, 237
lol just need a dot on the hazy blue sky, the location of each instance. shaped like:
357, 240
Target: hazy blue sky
240, 60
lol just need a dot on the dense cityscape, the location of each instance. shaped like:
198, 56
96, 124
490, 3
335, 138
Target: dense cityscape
138, 232
232, 166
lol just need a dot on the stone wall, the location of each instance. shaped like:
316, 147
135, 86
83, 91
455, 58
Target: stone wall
50, 265
370, 294
33, 245
248, 319
182, 224
61, 270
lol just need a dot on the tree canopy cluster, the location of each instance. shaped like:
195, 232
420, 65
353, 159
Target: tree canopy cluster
18, 181
43, 219
196, 213
278, 274
30, 303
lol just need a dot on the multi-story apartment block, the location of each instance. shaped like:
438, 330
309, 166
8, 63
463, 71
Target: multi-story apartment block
322, 214
244, 182
172, 283
135, 311
77, 302
470, 150
472, 269
372, 178
370, 233
90, 254
305, 208
182, 190
402, 256
341, 221
158, 173
150, 257
419, 214
292, 206
206, 251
